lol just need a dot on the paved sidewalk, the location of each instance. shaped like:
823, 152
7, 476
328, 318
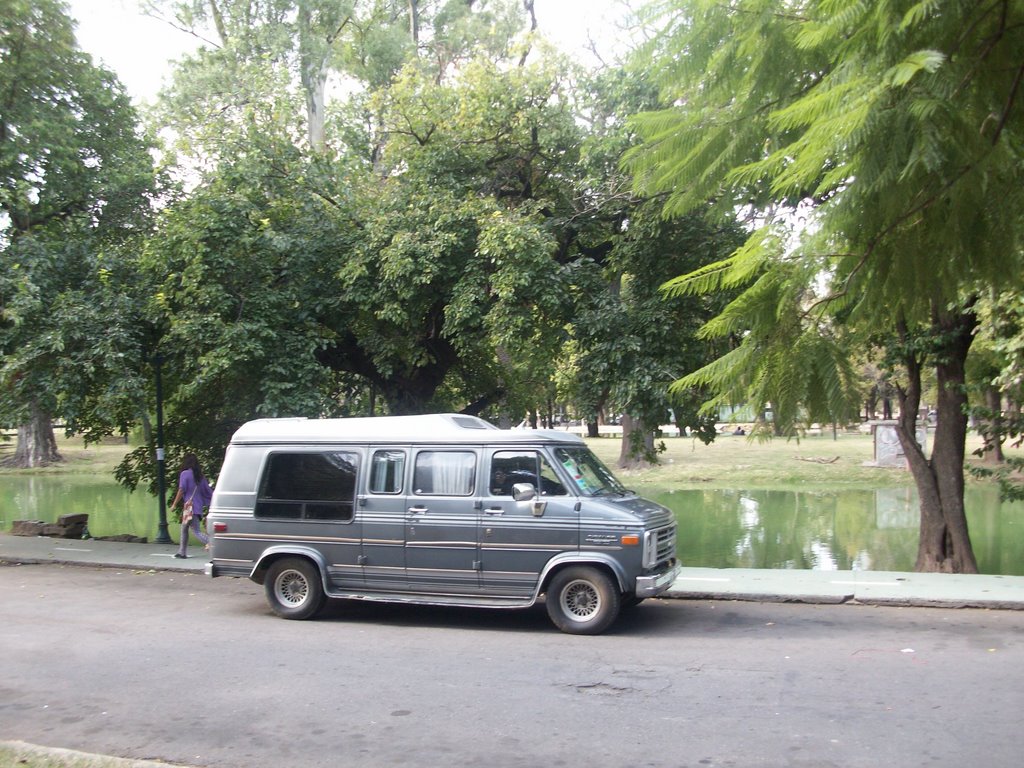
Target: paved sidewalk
113, 554
864, 587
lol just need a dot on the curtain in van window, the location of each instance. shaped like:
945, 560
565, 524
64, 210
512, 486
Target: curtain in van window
388, 472
445, 473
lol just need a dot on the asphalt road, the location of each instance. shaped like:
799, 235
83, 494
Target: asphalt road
181, 668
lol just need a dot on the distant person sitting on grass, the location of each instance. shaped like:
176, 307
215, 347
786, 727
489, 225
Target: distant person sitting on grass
194, 488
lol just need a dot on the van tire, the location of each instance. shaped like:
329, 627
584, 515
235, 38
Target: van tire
582, 600
294, 589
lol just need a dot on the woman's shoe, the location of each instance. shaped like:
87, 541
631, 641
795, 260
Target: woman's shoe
179, 555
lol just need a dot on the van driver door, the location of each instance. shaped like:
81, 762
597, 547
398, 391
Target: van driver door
518, 538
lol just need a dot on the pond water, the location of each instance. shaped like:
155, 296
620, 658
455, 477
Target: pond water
850, 529
112, 510
869, 530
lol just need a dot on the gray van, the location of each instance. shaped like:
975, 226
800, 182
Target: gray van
440, 509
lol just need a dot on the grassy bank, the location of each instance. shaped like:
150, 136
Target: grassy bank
729, 462
99, 458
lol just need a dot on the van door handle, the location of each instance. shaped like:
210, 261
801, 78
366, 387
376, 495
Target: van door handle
494, 511
417, 510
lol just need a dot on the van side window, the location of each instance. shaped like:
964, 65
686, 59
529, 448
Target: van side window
511, 467
387, 472
444, 473
308, 486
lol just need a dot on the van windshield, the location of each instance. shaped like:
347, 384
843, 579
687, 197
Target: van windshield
589, 475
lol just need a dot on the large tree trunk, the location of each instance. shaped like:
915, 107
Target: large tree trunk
637, 444
944, 544
37, 446
407, 392
315, 85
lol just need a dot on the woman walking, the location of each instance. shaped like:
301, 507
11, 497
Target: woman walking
194, 492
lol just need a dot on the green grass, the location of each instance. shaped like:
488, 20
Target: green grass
99, 458
731, 462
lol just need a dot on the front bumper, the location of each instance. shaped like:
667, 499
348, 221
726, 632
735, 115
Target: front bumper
650, 586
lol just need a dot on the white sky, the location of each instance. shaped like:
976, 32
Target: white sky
138, 48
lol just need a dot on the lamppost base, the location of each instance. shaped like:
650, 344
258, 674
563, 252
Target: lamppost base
162, 536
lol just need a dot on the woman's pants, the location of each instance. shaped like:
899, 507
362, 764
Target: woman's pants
194, 525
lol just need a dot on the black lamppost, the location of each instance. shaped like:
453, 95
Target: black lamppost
162, 536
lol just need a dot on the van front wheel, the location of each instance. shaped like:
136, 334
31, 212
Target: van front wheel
294, 589
582, 601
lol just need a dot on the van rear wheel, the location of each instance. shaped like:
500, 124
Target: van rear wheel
582, 601
294, 589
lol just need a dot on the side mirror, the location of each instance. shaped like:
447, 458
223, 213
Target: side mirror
523, 491
526, 492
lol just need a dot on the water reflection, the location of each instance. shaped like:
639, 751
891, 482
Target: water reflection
111, 509
779, 528
832, 530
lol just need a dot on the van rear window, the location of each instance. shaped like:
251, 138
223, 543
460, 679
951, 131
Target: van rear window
308, 486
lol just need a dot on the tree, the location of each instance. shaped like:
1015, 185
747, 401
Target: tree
269, 67
455, 250
898, 124
631, 342
431, 263
628, 342
75, 183
425, 214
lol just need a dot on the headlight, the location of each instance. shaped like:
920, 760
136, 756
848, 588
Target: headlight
650, 549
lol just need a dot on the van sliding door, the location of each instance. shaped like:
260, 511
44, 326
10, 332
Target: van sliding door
441, 550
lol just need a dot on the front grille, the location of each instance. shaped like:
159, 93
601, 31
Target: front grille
666, 546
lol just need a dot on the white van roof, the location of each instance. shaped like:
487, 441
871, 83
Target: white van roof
429, 428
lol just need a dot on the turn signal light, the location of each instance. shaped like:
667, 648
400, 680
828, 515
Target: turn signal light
630, 539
